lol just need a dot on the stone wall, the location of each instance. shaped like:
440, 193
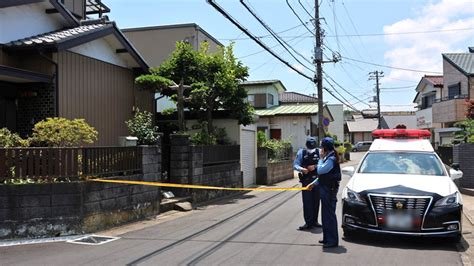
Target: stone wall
463, 154
44, 210
187, 167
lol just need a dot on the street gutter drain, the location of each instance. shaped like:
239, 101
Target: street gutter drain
93, 240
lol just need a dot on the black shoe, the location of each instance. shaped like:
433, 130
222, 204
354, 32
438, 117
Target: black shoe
318, 225
304, 227
322, 242
326, 245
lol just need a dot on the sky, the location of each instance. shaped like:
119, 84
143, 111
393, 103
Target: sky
402, 38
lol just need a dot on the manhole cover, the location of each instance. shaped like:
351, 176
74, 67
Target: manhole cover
93, 240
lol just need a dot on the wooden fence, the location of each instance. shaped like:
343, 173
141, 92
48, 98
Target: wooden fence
221, 154
71, 163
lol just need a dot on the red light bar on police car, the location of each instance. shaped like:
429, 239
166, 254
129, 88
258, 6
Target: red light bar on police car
401, 133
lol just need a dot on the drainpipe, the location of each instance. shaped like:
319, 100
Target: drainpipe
56, 81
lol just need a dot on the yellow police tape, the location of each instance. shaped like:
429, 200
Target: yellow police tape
158, 184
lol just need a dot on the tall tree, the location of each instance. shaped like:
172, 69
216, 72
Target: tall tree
213, 77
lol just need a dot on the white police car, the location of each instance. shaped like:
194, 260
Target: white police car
402, 187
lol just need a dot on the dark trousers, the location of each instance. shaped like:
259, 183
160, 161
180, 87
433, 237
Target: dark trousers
310, 203
328, 212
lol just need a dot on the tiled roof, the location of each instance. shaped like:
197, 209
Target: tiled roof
294, 109
463, 61
56, 37
294, 97
435, 80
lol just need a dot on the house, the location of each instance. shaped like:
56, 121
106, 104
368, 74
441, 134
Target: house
427, 91
284, 115
157, 43
360, 127
56, 62
458, 85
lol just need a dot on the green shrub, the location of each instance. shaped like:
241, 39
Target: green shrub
261, 138
141, 126
467, 131
9, 139
278, 150
62, 132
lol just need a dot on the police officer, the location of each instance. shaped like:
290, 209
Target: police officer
329, 173
305, 163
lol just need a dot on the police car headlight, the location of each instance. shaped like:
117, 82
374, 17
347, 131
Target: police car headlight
353, 196
450, 200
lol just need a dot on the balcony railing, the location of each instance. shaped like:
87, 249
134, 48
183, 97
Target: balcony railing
447, 98
446, 110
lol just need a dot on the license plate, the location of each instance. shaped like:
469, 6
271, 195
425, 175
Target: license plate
399, 221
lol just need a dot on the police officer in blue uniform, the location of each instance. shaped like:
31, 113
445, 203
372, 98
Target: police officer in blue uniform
329, 173
305, 163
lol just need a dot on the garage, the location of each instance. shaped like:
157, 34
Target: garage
248, 150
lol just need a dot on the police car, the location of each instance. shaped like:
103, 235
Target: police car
402, 187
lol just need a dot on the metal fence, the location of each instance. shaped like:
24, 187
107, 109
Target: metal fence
221, 154
446, 154
50, 163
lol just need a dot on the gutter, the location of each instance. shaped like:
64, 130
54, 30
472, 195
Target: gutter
56, 82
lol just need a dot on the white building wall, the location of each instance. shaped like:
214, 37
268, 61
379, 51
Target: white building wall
269, 89
23, 21
293, 128
336, 127
101, 50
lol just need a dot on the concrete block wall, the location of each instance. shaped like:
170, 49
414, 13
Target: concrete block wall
463, 154
45, 210
187, 167
269, 173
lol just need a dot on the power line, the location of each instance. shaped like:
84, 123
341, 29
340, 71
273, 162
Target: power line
263, 50
253, 37
306, 10
365, 34
276, 37
335, 82
264, 36
347, 103
398, 68
296, 14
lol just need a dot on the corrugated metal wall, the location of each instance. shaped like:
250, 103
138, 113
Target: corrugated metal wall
102, 93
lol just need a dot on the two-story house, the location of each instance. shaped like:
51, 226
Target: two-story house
54, 61
449, 107
427, 91
284, 115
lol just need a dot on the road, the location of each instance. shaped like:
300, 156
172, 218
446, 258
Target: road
254, 228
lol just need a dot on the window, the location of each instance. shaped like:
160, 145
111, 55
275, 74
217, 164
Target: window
275, 133
454, 90
270, 99
401, 163
427, 101
251, 99
260, 101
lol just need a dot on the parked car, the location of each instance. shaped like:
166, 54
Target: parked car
401, 187
362, 146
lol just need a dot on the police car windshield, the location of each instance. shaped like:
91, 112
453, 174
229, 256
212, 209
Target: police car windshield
401, 163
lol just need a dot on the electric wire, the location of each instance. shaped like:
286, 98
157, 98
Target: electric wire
283, 43
297, 16
393, 67
253, 37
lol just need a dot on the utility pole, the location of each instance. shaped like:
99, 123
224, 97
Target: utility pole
318, 59
377, 75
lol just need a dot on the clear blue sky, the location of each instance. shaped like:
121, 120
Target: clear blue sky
380, 32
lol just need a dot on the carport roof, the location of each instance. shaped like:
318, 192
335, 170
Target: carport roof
299, 109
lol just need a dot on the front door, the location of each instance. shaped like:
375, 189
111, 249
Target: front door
7, 113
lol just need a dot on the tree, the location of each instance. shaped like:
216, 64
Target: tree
213, 78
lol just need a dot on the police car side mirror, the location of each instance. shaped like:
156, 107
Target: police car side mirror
348, 170
455, 174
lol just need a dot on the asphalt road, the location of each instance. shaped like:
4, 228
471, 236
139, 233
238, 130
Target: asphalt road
254, 228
